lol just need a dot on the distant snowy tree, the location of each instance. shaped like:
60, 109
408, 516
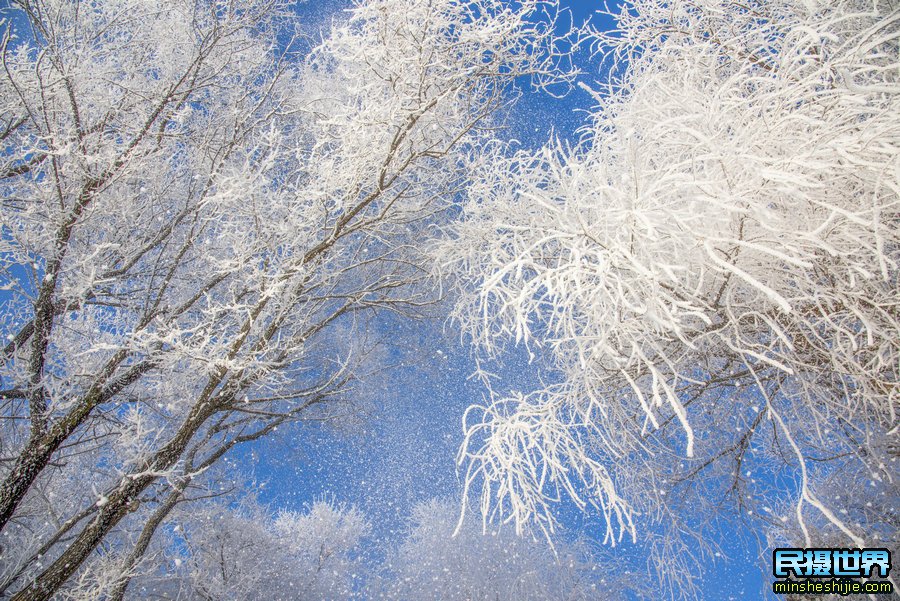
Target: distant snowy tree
248, 554
712, 276
198, 215
434, 564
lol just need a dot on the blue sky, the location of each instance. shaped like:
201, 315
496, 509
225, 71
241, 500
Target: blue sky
405, 453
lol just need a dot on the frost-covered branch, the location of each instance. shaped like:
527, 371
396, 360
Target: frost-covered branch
723, 243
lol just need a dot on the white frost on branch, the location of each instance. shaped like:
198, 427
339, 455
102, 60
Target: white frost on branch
726, 231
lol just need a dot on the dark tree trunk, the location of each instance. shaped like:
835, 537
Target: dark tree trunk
40, 447
140, 547
116, 507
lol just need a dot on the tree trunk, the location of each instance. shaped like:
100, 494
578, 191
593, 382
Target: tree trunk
116, 507
40, 448
30, 462
140, 547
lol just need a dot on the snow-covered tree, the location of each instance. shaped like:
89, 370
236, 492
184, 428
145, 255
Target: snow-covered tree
712, 275
435, 564
198, 215
247, 553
